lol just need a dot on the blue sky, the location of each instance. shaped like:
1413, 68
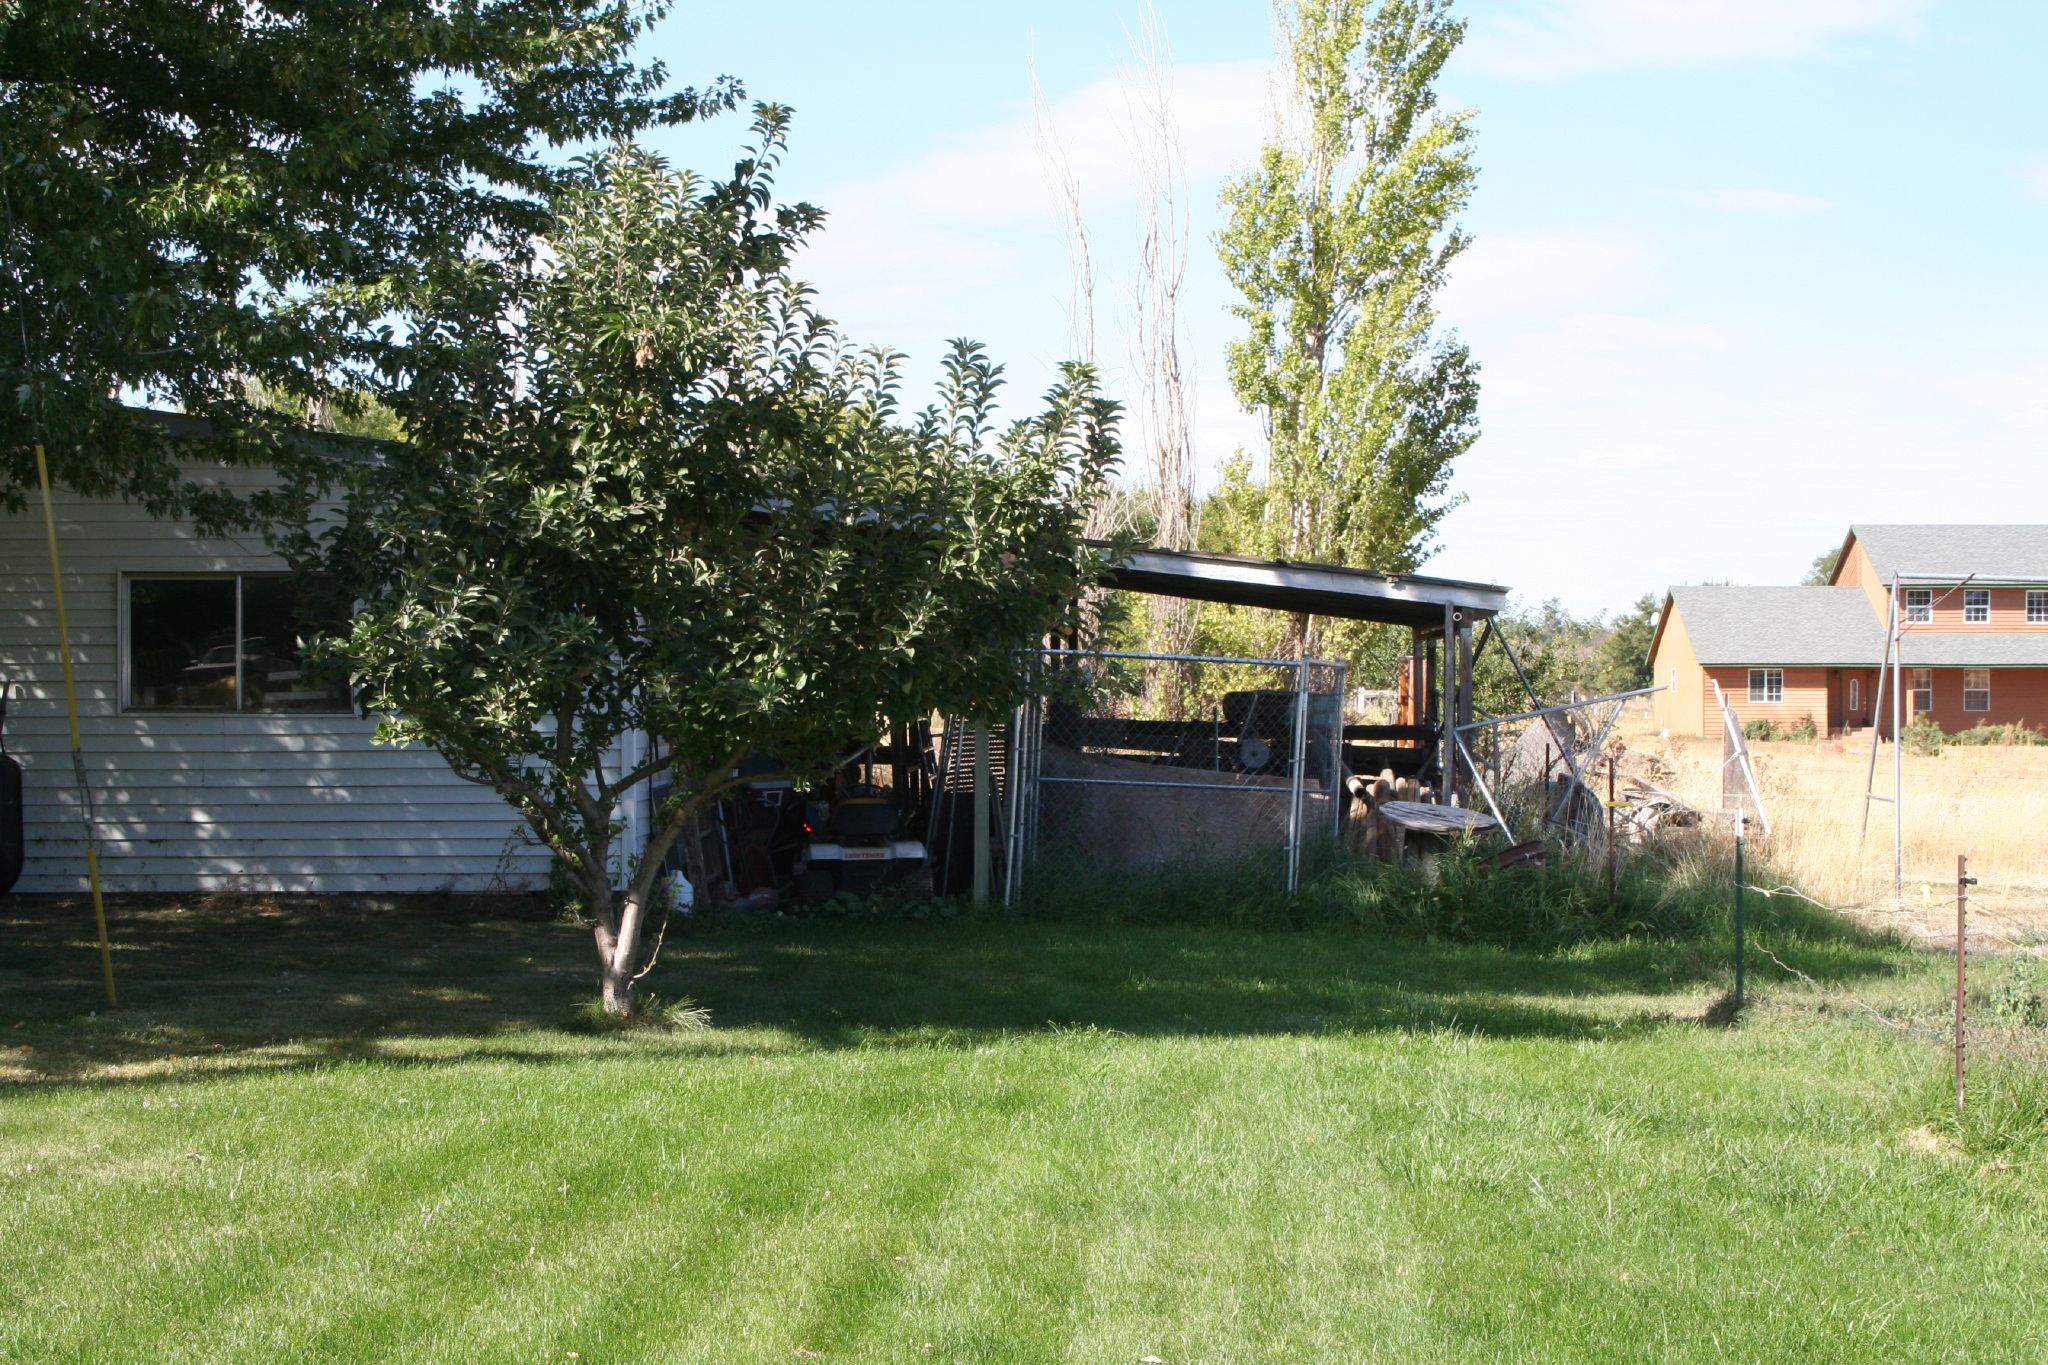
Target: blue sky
1744, 272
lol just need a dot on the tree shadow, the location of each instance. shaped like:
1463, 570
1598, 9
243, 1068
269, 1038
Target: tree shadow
217, 987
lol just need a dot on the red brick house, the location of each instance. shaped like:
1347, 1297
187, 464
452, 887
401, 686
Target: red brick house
1973, 636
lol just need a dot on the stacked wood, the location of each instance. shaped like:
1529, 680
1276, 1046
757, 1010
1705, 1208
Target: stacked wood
1370, 832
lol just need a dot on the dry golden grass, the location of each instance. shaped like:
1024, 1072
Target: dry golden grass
1988, 803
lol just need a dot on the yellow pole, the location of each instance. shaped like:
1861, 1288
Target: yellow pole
92, 851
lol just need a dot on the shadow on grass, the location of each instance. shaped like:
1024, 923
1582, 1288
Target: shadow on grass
211, 988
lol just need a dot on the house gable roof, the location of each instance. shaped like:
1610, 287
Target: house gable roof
1783, 626
2007, 554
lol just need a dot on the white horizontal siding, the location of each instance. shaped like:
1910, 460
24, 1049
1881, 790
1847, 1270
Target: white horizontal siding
210, 801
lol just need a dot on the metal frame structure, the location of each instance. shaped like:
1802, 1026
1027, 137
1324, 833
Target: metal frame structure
1889, 674
1440, 614
1575, 768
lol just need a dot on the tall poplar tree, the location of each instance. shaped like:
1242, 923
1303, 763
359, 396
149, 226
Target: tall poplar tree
1338, 242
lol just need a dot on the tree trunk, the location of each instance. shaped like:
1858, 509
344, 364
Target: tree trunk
625, 958
615, 985
617, 938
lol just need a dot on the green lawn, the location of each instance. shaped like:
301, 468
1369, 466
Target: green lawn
377, 1136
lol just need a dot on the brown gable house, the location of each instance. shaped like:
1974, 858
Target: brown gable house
1973, 636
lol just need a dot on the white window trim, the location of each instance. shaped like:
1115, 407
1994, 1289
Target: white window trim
2037, 607
1921, 612
122, 651
1984, 691
1766, 699
1969, 606
1913, 678
1855, 694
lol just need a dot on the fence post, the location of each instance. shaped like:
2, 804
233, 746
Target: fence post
1963, 882
1741, 822
1610, 831
1297, 788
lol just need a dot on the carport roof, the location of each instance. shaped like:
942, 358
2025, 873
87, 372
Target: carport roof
1320, 589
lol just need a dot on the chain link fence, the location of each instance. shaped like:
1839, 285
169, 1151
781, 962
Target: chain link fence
1539, 770
1135, 763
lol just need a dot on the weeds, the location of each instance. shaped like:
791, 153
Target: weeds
1923, 737
1980, 735
651, 1013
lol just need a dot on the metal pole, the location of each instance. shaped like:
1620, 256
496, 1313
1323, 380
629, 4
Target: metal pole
92, 850
1300, 756
1898, 760
1963, 881
1013, 817
1741, 823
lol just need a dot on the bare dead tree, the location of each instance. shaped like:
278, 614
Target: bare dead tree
1106, 515
1164, 416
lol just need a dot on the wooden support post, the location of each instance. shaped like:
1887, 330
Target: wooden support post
1465, 658
1447, 758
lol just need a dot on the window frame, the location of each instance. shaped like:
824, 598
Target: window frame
1767, 675
1976, 600
1855, 698
1913, 678
2037, 606
1984, 691
343, 705
1919, 613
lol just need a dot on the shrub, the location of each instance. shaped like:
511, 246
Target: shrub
2015, 733
2019, 992
1760, 729
1923, 737
1803, 730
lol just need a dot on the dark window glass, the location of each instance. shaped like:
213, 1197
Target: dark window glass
274, 673
181, 650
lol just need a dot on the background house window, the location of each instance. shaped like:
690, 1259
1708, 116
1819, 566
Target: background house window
1766, 684
1923, 691
1977, 605
1855, 694
1919, 605
180, 651
1976, 689
2037, 607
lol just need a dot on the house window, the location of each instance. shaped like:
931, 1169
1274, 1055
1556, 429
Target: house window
1855, 694
1976, 689
1923, 691
1766, 684
1977, 605
1919, 606
2037, 607
179, 649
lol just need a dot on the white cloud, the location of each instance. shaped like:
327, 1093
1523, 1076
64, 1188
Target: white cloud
1649, 456
970, 237
1548, 39
1757, 203
2033, 176
1542, 273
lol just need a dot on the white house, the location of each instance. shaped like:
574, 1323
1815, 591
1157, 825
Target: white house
212, 767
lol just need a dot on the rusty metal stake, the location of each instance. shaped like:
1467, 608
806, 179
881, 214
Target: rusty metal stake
1963, 881
1741, 826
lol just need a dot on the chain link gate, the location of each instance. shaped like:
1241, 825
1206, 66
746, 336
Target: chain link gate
1133, 763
